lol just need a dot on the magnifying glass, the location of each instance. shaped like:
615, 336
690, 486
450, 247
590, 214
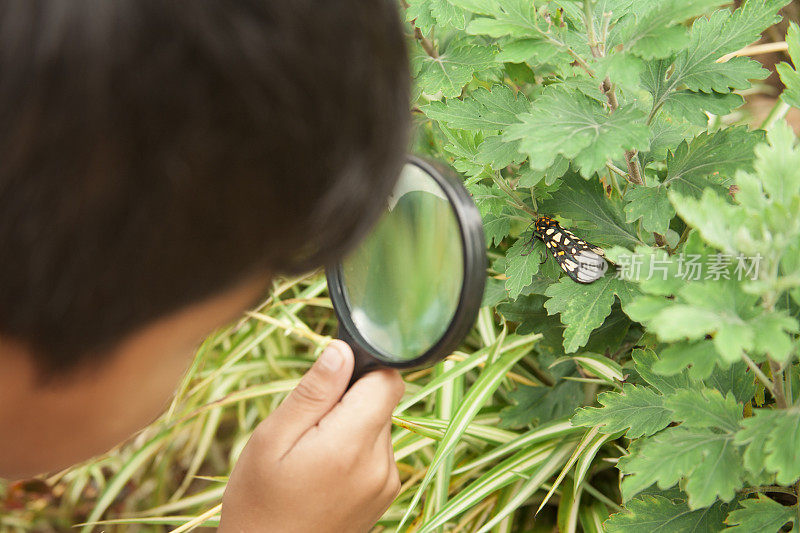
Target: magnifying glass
411, 290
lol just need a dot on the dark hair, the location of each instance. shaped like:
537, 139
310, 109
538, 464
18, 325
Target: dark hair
155, 153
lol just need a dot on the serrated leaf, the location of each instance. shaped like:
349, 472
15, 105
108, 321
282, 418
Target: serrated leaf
580, 129
760, 514
447, 74
776, 165
541, 404
487, 199
720, 33
517, 18
715, 219
493, 293
598, 220
771, 436
498, 153
700, 357
521, 267
533, 50
716, 308
705, 408
789, 76
654, 30
653, 513
495, 228
583, 308
442, 13
651, 205
529, 177
708, 460
483, 109
773, 335
646, 361
735, 379
463, 147
720, 153
637, 410
693, 106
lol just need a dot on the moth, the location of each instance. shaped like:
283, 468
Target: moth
581, 261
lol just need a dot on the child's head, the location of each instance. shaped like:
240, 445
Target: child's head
158, 162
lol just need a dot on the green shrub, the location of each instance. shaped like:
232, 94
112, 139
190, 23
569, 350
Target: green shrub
608, 115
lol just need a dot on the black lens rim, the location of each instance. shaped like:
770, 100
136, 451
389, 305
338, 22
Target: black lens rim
474, 263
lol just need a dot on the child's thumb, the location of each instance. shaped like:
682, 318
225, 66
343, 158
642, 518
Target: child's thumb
316, 394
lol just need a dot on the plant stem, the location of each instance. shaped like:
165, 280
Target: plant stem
775, 114
757, 371
777, 380
616, 170
516, 200
426, 43
588, 19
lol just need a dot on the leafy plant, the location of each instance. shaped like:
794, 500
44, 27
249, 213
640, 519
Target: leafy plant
610, 116
650, 400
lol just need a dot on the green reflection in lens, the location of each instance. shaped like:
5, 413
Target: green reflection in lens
403, 282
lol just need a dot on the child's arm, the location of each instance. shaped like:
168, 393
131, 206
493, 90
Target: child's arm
319, 464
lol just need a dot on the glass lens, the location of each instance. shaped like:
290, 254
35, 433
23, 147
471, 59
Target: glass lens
403, 283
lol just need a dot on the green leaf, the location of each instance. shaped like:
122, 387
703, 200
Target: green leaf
715, 219
705, 408
447, 74
483, 109
718, 308
498, 153
542, 404
529, 311
700, 357
651, 205
598, 220
720, 153
707, 459
495, 228
696, 68
693, 106
735, 379
478, 394
773, 335
494, 293
580, 129
654, 30
637, 410
517, 18
645, 363
464, 147
522, 266
441, 13
583, 308
534, 50
776, 166
653, 513
719, 34
771, 436
760, 514
789, 75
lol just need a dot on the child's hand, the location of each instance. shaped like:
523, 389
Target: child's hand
319, 464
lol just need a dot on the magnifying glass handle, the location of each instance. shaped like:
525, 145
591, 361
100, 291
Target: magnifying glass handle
363, 361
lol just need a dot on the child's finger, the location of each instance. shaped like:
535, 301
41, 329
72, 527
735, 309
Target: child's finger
316, 394
368, 405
